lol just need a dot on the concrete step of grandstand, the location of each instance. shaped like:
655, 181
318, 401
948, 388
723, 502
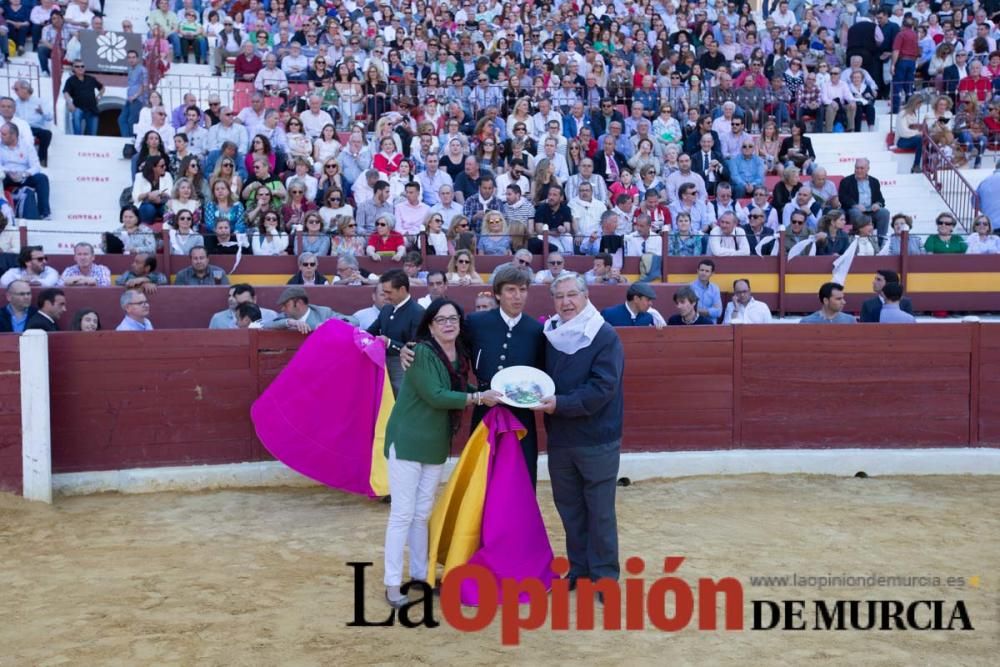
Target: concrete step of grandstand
87, 176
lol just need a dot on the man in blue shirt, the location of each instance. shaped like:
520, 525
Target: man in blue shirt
831, 295
989, 195
709, 296
635, 311
14, 316
136, 94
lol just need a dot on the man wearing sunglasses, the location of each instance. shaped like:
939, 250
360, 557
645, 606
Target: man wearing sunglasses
33, 268
83, 93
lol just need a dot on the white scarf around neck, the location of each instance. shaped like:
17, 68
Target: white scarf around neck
576, 334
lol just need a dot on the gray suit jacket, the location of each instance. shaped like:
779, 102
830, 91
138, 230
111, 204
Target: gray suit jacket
317, 315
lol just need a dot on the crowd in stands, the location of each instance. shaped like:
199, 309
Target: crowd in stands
394, 130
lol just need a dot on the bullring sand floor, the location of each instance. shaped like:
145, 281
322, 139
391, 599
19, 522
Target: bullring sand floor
258, 577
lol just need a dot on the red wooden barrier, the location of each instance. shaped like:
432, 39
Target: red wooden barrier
123, 400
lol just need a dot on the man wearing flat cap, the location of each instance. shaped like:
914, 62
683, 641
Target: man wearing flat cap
635, 311
298, 314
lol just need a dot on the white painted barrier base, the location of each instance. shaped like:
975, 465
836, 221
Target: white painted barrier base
637, 466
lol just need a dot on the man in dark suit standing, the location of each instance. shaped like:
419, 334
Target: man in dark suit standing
635, 311
15, 315
871, 309
865, 39
505, 337
397, 323
51, 306
708, 163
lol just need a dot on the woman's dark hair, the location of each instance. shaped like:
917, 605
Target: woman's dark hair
147, 169
121, 213
801, 125
144, 147
196, 180
463, 349
264, 141
80, 314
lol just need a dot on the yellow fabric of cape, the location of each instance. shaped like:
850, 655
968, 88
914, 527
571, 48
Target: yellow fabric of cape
379, 478
457, 520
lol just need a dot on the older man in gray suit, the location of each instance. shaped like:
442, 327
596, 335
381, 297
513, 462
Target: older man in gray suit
298, 314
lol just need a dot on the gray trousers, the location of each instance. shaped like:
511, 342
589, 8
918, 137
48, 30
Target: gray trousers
584, 481
395, 368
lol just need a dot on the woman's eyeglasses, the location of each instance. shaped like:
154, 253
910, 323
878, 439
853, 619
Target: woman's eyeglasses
449, 319
463, 261
381, 224
308, 264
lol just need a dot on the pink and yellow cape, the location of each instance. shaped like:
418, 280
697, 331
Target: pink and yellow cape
488, 514
324, 416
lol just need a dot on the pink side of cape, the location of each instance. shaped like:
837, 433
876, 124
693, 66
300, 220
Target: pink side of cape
318, 416
514, 543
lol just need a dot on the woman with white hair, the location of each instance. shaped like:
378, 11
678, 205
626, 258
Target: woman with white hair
386, 243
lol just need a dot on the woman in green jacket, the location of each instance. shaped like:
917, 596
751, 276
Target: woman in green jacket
418, 436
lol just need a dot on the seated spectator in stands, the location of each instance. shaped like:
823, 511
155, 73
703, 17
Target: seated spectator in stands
226, 130
797, 230
743, 308
945, 241
260, 147
269, 239
900, 223
486, 301
142, 274
15, 315
134, 235
682, 241
184, 197
152, 188
411, 213
556, 267
462, 269
308, 273
334, 207
746, 170
871, 308
225, 242
223, 206
864, 94
313, 239
797, 149
607, 239
756, 232
494, 240
248, 64
837, 97
51, 306
158, 123
263, 204
51, 27
412, 267
263, 178
386, 243
86, 319
200, 272
983, 241
483, 199
832, 239
604, 272
298, 314
135, 303
701, 215
635, 311
891, 312
239, 294
727, 238
37, 114
21, 168
227, 169
641, 242
688, 312
349, 273
229, 45
249, 316
861, 194
302, 174
387, 160
831, 296
33, 268
367, 316
436, 237
182, 236
709, 298
347, 242
823, 190
868, 243
975, 82
84, 271
314, 119
802, 200
297, 207
909, 130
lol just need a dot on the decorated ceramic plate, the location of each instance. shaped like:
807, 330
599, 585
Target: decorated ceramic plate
523, 386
